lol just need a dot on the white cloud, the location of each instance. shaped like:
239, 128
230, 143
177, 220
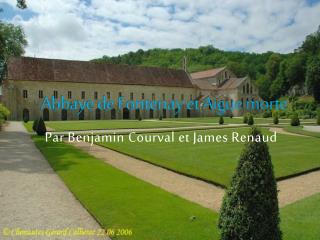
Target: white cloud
74, 29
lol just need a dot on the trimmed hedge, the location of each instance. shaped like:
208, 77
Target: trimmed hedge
41, 127
221, 121
295, 120
250, 206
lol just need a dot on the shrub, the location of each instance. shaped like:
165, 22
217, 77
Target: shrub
295, 120
160, 118
4, 112
250, 205
221, 121
41, 128
250, 120
140, 118
35, 125
245, 118
275, 118
231, 115
266, 114
318, 117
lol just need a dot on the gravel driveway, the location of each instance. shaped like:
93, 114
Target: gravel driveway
32, 196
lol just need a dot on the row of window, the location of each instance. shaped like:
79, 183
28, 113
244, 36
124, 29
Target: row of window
125, 114
246, 89
108, 95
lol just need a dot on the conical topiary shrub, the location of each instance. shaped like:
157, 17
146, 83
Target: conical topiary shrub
35, 125
250, 120
41, 128
245, 118
250, 206
221, 121
275, 118
295, 120
318, 117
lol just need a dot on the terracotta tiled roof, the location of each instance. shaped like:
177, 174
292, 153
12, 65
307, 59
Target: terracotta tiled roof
207, 73
39, 69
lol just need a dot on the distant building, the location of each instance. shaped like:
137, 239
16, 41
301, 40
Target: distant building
29, 80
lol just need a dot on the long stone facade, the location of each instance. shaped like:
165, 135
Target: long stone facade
30, 80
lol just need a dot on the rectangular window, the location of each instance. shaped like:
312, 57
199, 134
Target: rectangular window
69, 94
108, 95
172, 96
55, 94
95, 95
131, 96
120, 94
83, 95
153, 97
25, 93
40, 94
182, 97
163, 96
142, 96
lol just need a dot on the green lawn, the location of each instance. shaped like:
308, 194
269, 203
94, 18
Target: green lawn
110, 124
216, 161
118, 200
300, 220
299, 130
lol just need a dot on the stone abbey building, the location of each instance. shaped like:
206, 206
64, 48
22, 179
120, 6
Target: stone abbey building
29, 80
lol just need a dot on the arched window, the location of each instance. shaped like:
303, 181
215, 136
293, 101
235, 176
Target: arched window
45, 114
81, 115
151, 113
113, 113
25, 115
247, 88
64, 115
250, 89
98, 114
125, 113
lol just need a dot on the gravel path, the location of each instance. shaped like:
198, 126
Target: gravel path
312, 128
282, 131
205, 194
32, 196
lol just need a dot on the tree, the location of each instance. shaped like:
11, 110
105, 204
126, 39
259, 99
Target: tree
250, 206
296, 69
12, 43
21, 4
311, 44
313, 78
35, 125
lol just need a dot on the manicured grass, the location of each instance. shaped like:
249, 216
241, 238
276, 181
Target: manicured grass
299, 130
216, 161
118, 200
110, 124
300, 220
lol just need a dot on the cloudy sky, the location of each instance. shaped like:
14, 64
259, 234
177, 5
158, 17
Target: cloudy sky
86, 29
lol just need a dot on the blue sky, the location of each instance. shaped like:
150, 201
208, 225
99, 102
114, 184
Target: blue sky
86, 29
